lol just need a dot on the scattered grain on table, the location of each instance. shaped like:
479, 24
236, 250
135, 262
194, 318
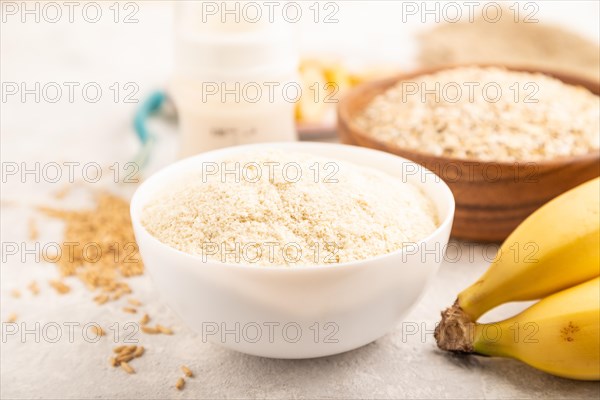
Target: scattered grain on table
34, 233
101, 298
124, 354
60, 287
156, 330
145, 319
63, 192
139, 351
34, 288
134, 302
106, 227
127, 367
188, 372
98, 330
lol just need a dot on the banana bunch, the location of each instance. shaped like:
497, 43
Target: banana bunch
561, 333
324, 82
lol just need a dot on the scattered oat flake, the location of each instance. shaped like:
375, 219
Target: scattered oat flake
11, 318
188, 372
119, 349
98, 330
124, 349
149, 330
164, 329
15, 293
139, 351
129, 310
124, 288
124, 357
60, 287
130, 349
156, 329
34, 288
127, 368
124, 354
134, 302
33, 230
101, 298
145, 319
108, 227
180, 384
62, 193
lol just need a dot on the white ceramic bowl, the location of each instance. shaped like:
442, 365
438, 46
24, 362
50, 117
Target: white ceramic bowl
295, 312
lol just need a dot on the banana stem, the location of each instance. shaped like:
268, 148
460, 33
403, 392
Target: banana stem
455, 332
473, 304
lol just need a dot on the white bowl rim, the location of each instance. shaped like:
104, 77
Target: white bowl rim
134, 206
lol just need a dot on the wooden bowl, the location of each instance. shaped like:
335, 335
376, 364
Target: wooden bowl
492, 198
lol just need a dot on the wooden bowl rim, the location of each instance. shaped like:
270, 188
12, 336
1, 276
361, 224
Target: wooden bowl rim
345, 119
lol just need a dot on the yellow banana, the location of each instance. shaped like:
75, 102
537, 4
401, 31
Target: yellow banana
559, 335
556, 247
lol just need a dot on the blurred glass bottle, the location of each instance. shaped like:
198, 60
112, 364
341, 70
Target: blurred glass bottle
235, 75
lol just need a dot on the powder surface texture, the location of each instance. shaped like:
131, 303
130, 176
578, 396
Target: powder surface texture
289, 209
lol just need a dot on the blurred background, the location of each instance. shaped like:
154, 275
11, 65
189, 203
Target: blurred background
127, 50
